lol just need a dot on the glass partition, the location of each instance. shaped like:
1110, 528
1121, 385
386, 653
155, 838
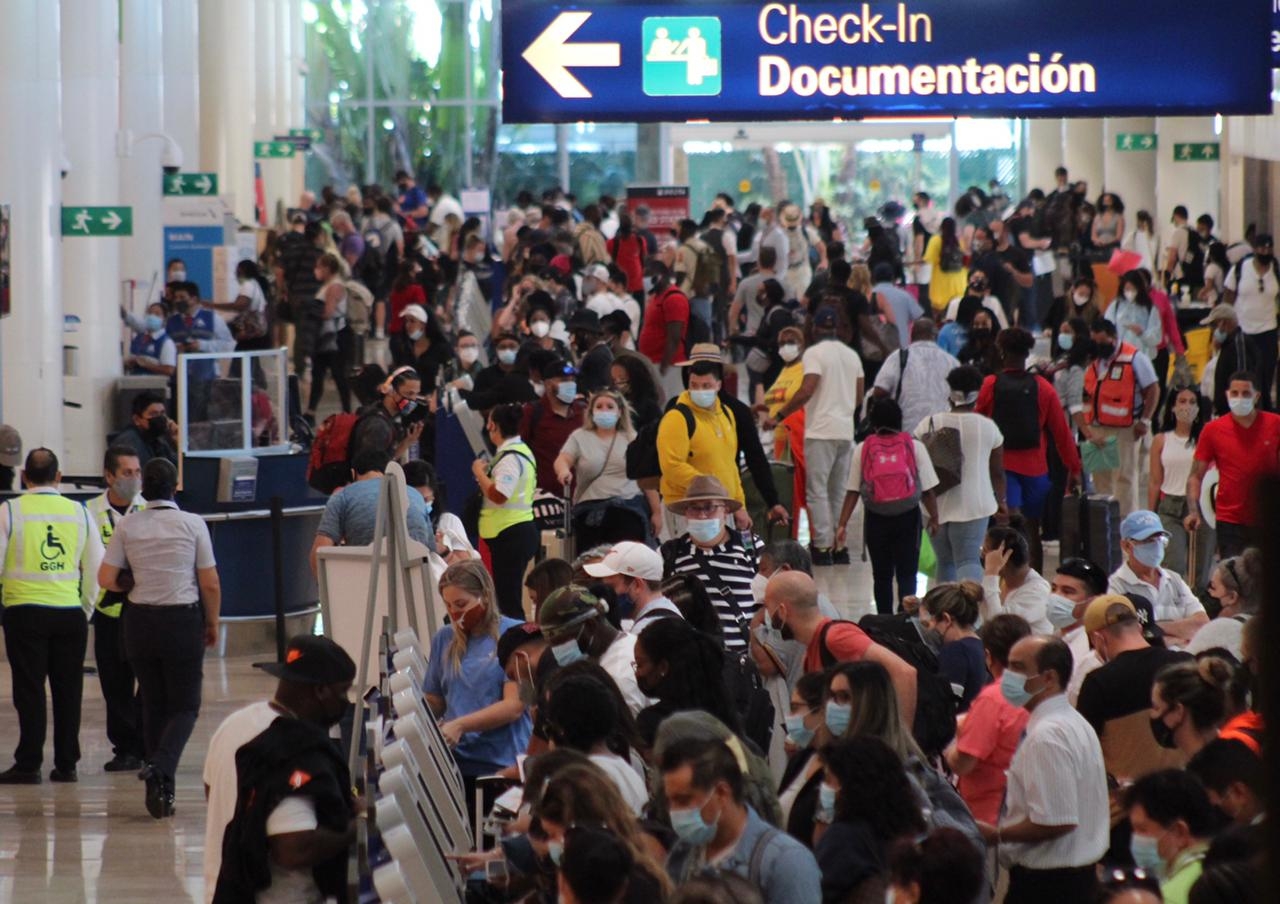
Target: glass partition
233, 403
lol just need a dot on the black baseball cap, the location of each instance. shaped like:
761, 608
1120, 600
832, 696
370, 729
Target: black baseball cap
309, 659
516, 637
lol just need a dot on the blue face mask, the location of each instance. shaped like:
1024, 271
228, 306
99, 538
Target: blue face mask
703, 398
827, 801
606, 419
704, 530
568, 652
1151, 553
1065, 341
691, 827
837, 717
507, 355
1014, 688
797, 732
1061, 612
155, 323
555, 850
1146, 853
625, 605
429, 505
1220, 336
567, 392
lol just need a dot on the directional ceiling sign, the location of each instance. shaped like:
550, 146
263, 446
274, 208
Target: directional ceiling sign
179, 184
730, 60
85, 221
267, 150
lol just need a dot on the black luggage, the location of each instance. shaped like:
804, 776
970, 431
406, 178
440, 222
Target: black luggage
1091, 530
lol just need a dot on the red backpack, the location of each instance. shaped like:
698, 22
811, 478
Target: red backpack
329, 466
890, 482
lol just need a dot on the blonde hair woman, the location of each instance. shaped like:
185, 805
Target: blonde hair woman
593, 461
480, 713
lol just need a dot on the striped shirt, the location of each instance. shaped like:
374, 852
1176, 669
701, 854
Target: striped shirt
725, 572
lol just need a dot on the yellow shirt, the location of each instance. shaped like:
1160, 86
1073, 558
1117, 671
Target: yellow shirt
944, 286
783, 388
713, 450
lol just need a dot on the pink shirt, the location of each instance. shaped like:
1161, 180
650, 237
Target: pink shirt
1168, 322
990, 734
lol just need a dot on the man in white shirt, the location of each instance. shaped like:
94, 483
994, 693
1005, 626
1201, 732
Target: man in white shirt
442, 205
830, 395
1253, 286
1055, 822
1074, 586
920, 387
1009, 583
634, 571
1177, 611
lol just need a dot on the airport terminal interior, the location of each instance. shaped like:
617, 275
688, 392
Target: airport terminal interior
238, 238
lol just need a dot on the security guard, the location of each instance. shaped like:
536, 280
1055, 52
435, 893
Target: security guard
507, 485
122, 470
50, 552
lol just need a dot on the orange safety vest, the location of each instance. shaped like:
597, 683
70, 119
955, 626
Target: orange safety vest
1109, 402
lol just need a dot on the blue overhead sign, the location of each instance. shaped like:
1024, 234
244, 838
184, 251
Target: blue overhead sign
729, 60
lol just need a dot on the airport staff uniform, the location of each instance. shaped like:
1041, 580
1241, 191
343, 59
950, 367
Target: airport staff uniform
115, 675
47, 544
164, 622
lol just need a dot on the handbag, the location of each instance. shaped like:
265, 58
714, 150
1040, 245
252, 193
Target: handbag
947, 455
758, 361
888, 334
249, 324
1097, 458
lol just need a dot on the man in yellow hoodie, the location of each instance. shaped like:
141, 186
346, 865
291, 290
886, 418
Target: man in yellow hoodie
698, 435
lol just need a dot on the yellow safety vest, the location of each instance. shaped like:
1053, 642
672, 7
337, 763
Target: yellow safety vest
106, 519
518, 509
47, 533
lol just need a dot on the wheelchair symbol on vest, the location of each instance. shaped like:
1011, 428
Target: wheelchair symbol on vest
52, 547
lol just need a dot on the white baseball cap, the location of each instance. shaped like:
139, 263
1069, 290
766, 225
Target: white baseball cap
628, 558
598, 271
416, 311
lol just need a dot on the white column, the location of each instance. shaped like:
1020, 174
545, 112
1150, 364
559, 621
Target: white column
1232, 174
91, 266
181, 61
1043, 152
290, 87
142, 113
1194, 184
1082, 148
1131, 174
31, 337
266, 124
227, 101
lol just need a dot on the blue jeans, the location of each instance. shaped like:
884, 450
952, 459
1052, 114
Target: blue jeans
957, 545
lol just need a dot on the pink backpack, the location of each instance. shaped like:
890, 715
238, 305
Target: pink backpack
890, 482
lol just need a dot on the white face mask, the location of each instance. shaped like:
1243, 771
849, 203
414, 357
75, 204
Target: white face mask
789, 352
468, 354
540, 328
1081, 299
1130, 294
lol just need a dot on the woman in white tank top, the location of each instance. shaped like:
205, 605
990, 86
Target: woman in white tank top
1172, 453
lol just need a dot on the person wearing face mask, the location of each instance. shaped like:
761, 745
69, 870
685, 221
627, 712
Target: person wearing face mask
547, 423
123, 473
461, 371
1237, 586
1172, 825
1115, 698
665, 329
1253, 287
1235, 352
152, 351
469, 300
806, 734
978, 289
1172, 454
1073, 587
1121, 392
937, 869
420, 345
505, 381
1143, 541
196, 329
573, 621
350, 516
594, 355
988, 736
868, 802
1136, 317
1243, 446
386, 425
704, 788
634, 571
482, 717
507, 483
150, 433
311, 693
592, 464
916, 377
788, 435
538, 325
1236, 778
1189, 704
681, 669
1054, 824
948, 613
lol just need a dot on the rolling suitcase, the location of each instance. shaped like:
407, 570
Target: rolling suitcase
1091, 530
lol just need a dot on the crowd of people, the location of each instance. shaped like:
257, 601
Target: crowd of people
687, 715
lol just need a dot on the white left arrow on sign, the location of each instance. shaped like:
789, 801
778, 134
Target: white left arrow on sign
551, 55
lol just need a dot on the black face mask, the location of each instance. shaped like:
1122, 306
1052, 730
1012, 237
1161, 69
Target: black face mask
781, 627
1104, 350
979, 334
158, 425
1264, 259
1162, 733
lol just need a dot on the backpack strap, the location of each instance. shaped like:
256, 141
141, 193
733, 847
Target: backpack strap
824, 652
755, 864
689, 423
902, 373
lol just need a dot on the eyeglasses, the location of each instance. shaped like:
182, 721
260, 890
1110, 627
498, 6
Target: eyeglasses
1137, 877
702, 509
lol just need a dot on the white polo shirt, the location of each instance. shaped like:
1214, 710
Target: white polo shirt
1171, 601
1057, 778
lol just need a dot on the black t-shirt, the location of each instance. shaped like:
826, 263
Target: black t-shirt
1122, 686
963, 664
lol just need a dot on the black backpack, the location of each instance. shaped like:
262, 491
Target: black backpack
934, 726
952, 258
1016, 410
1193, 258
371, 268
